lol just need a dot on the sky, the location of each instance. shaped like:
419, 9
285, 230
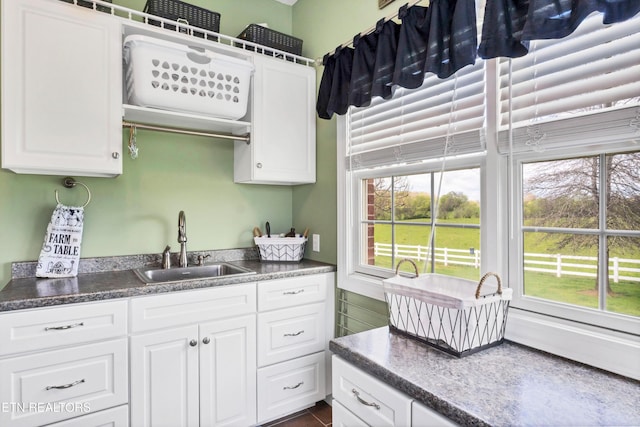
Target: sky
466, 181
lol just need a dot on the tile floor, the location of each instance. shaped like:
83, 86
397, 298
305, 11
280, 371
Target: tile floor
316, 416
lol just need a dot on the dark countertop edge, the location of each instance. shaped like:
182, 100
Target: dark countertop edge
414, 391
304, 268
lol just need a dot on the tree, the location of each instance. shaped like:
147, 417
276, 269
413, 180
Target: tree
450, 203
567, 195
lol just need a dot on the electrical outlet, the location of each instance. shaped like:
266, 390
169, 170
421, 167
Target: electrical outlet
316, 242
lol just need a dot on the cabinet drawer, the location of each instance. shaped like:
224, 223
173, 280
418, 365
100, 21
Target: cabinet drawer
292, 332
114, 417
371, 400
71, 382
44, 328
342, 417
189, 307
290, 386
293, 291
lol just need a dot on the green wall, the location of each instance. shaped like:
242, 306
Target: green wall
323, 25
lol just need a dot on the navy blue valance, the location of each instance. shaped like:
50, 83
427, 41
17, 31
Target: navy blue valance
442, 38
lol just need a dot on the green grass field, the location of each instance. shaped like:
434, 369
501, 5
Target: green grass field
624, 297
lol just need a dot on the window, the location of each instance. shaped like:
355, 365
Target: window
396, 222
554, 156
580, 237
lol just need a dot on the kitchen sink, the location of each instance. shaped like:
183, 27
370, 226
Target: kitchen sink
157, 275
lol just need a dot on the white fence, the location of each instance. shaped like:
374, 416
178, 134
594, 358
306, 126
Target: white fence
558, 264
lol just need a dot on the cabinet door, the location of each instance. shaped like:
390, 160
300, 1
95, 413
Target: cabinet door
61, 89
228, 372
164, 378
282, 148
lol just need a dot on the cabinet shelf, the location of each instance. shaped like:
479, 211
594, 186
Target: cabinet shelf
153, 116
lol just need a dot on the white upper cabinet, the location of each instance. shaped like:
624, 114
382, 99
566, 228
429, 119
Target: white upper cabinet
283, 138
61, 89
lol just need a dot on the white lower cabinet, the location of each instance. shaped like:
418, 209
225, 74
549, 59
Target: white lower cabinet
66, 364
293, 335
362, 400
198, 374
288, 386
206, 357
59, 384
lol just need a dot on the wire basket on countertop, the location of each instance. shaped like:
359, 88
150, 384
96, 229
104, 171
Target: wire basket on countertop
455, 315
287, 249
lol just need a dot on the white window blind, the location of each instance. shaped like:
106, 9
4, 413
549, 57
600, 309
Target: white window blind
413, 125
584, 88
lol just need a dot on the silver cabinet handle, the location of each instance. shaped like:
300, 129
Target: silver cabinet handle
60, 387
361, 400
295, 334
293, 387
193, 343
60, 328
299, 291
206, 340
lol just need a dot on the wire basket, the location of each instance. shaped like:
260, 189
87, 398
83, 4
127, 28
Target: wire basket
89, 4
176, 77
271, 38
179, 11
287, 249
457, 316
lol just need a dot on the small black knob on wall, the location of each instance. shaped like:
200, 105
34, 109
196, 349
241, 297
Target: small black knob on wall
193, 343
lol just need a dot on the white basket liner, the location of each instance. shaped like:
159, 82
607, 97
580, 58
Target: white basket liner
445, 291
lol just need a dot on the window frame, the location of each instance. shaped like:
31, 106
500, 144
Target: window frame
597, 318
352, 275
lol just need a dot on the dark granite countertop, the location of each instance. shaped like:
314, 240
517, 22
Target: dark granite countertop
507, 385
112, 277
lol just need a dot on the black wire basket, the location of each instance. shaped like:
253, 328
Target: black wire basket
455, 315
89, 4
271, 38
186, 13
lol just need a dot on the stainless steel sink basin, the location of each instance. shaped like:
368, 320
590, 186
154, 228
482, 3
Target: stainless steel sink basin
156, 274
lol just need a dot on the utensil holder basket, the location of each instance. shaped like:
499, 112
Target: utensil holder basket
283, 249
448, 313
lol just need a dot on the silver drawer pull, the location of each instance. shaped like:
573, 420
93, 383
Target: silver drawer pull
60, 387
61, 328
294, 387
364, 402
299, 291
295, 334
